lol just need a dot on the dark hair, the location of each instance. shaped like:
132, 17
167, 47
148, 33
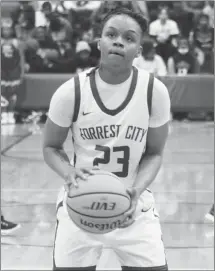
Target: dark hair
46, 5
142, 21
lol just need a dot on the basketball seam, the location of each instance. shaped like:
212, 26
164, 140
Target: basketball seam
93, 193
92, 216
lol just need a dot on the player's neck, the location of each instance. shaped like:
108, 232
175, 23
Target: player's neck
114, 76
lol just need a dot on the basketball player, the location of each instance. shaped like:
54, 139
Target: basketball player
119, 120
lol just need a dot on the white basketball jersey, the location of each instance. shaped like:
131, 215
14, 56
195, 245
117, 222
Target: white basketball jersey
113, 140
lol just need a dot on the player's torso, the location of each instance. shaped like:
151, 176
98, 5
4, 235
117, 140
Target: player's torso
114, 140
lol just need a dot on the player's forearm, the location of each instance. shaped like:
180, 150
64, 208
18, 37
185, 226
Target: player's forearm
58, 160
148, 169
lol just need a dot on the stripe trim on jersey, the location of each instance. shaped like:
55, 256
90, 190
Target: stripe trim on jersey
98, 100
77, 97
149, 92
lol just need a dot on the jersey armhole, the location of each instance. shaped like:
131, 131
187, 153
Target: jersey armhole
149, 92
77, 98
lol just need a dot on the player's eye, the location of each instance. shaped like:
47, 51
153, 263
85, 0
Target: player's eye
129, 39
111, 35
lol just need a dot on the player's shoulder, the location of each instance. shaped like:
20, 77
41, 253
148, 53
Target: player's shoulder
82, 75
158, 85
67, 85
66, 89
65, 92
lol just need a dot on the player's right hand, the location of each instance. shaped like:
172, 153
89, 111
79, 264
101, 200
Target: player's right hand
78, 174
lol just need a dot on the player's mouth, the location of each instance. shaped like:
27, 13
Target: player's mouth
116, 53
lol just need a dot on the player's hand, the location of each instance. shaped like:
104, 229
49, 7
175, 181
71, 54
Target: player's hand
77, 174
129, 215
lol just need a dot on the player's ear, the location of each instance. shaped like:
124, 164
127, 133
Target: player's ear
98, 44
139, 52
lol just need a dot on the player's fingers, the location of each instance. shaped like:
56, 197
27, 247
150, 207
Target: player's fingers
90, 171
71, 181
75, 183
130, 211
95, 169
130, 222
66, 187
81, 174
127, 223
128, 214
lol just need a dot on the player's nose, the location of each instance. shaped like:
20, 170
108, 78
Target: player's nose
118, 42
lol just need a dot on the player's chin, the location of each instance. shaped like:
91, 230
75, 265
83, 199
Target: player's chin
117, 63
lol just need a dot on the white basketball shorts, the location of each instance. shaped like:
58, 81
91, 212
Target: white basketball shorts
139, 245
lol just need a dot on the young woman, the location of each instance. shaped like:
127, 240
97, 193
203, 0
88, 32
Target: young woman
112, 116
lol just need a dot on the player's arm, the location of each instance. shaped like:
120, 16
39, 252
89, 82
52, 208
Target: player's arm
152, 158
56, 131
53, 151
151, 162
156, 138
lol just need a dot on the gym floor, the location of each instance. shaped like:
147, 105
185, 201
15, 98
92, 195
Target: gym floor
183, 190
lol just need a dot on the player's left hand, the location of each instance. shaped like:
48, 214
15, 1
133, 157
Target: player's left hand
129, 215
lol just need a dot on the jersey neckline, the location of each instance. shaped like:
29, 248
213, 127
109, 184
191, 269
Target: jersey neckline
128, 98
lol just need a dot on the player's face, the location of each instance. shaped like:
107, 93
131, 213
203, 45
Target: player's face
120, 42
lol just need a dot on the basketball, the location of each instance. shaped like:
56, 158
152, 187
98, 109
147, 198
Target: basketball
98, 204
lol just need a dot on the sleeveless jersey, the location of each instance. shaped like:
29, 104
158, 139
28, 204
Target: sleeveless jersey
113, 140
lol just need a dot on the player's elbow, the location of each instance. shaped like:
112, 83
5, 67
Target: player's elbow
46, 153
154, 151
